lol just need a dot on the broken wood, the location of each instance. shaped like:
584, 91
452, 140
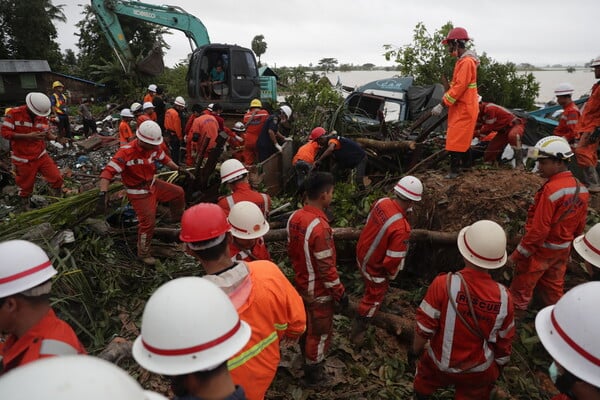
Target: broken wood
424, 117
402, 327
91, 143
428, 162
387, 146
420, 235
280, 235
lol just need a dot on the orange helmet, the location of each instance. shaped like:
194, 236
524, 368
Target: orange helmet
204, 221
456, 34
317, 133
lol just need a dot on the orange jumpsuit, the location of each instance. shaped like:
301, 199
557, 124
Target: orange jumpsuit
125, 133
462, 102
456, 356
587, 153
380, 252
567, 123
29, 156
254, 120
204, 127
554, 219
253, 288
307, 153
242, 191
507, 126
312, 252
258, 252
144, 191
50, 337
175, 135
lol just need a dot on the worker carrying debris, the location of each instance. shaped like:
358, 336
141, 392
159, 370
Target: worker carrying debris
555, 218
26, 127
262, 295
381, 249
461, 99
312, 252
177, 342
235, 176
34, 331
588, 128
136, 164
465, 323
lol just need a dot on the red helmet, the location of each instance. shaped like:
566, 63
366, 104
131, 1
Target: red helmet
204, 221
317, 133
456, 34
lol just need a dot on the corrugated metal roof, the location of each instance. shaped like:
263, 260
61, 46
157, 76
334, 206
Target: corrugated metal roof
16, 66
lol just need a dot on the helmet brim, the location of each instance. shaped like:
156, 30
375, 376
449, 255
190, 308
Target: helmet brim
156, 142
472, 258
585, 252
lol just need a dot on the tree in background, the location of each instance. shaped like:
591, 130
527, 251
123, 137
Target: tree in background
259, 47
428, 61
328, 64
28, 31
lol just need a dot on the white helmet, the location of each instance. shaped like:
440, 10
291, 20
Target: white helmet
287, 111
564, 89
569, 331
231, 170
189, 324
24, 266
588, 245
595, 62
135, 107
147, 105
149, 132
38, 103
72, 378
126, 112
210, 106
483, 244
239, 127
553, 146
247, 221
152, 87
410, 188
179, 101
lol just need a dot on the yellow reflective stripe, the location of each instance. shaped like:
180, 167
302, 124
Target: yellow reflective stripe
281, 327
252, 351
473, 85
450, 99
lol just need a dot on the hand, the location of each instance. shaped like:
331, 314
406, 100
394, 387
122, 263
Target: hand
437, 110
102, 203
38, 135
278, 147
183, 170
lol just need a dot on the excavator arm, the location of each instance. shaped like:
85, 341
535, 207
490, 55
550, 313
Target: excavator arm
108, 11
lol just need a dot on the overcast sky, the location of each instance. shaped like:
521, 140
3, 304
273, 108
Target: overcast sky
354, 31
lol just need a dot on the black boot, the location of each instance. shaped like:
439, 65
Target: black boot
315, 376
455, 159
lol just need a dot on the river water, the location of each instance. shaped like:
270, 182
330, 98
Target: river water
581, 79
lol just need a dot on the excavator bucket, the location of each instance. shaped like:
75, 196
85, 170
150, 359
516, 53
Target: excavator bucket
153, 63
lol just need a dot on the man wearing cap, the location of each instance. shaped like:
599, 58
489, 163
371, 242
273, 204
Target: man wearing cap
60, 110
173, 127
34, 331
567, 123
26, 127
177, 342
136, 164
465, 323
262, 295
555, 218
254, 119
382, 248
125, 132
235, 176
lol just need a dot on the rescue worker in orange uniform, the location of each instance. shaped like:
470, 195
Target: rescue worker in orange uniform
60, 110
34, 331
262, 295
191, 147
465, 323
569, 118
557, 215
254, 119
125, 132
150, 93
177, 342
173, 127
248, 226
304, 159
235, 176
204, 128
588, 128
26, 127
148, 112
461, 99
312, 252
135, 163
136, 110
381, 249
508, 128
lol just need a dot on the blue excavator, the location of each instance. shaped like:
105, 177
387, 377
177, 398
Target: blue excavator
242, 81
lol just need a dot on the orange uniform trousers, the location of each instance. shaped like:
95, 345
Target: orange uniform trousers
145, 209
501, 139
372, 298
27, 171
319, 330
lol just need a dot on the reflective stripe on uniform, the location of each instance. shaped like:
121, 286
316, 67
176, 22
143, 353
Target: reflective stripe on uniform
51, 347
8, 124
23, 123
450, 99
319, 255
565, 191
115, 166
424, 328
429, 310
503, 360
309, 267
137, 191
523, 251
24, 160
252, 351
556, 246
395, 254
473, 85
230, 201
331, 284
266, 202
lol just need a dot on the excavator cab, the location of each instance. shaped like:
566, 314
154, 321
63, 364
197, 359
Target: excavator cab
240, 84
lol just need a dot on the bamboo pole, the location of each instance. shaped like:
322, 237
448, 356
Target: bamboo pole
387, 146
